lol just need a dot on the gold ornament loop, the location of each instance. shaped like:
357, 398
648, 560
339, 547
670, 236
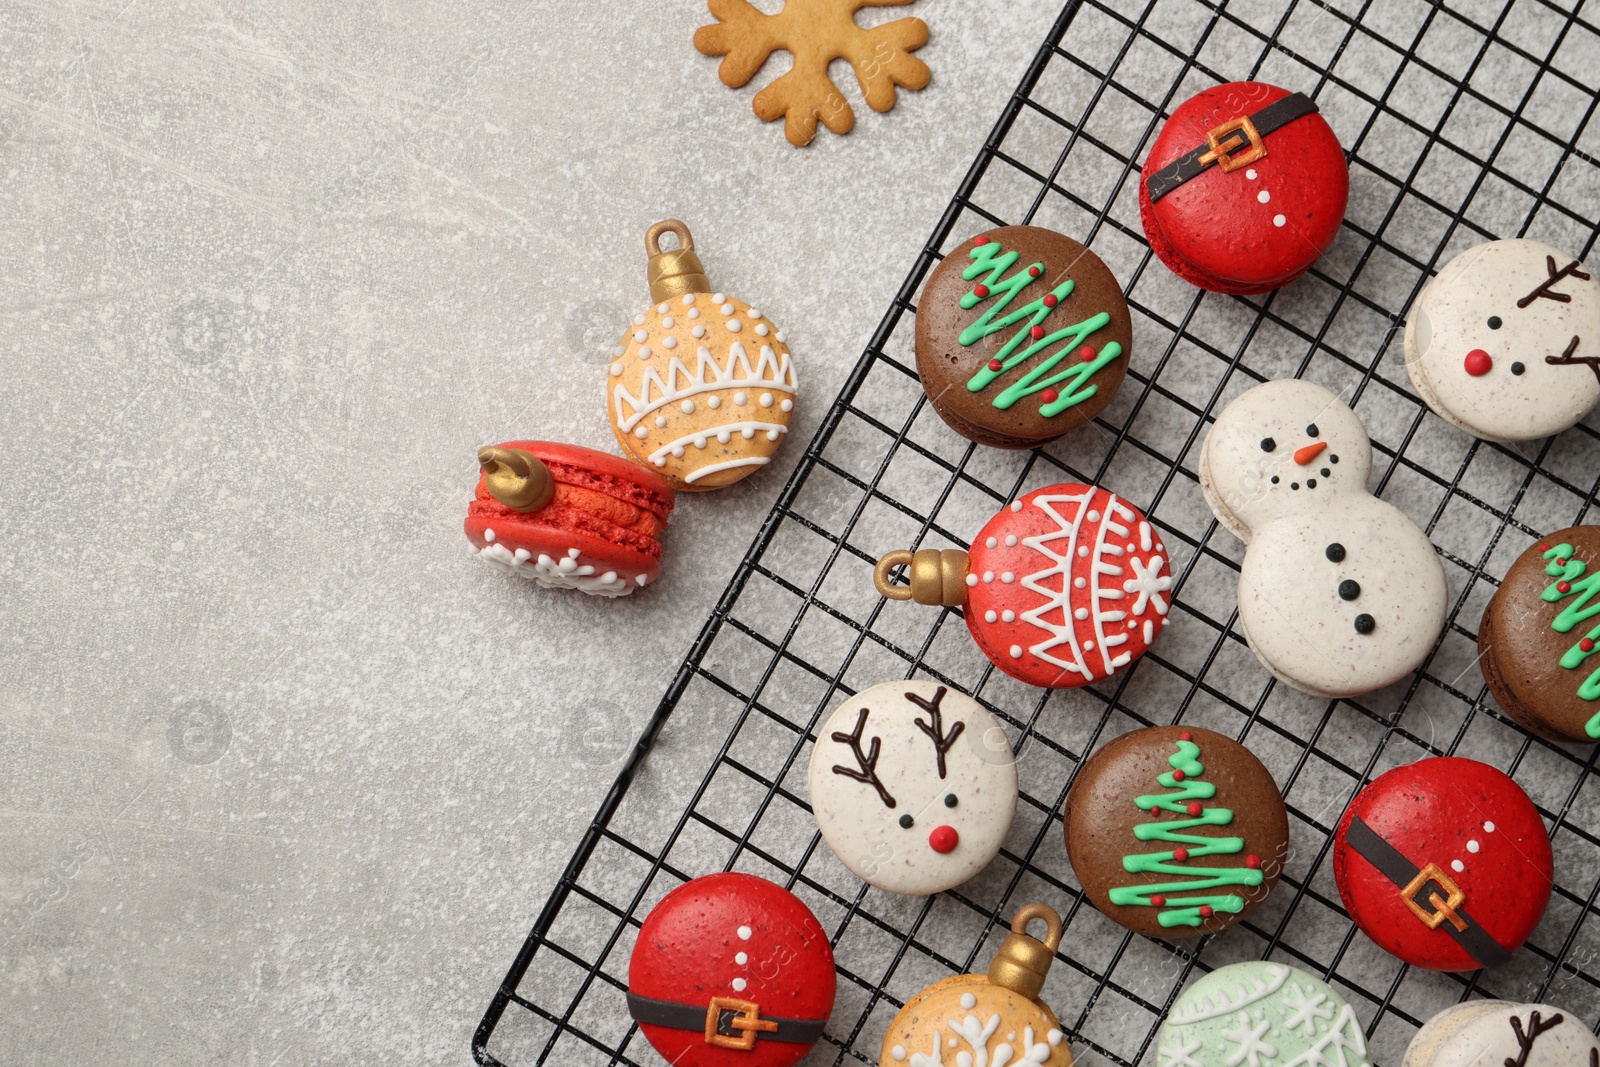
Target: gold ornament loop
1023, 960
672, 274
516, 477
936, 577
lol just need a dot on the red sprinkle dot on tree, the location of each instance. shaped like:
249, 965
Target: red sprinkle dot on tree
1050, 300
1050, 396
981, 290
1177, 776
1544, 548
995, 364
1186, 736
1253, 862
981, 240
1194, 808
1036, 333
1088, 355
1034, 272
1180, 854
1158, 901
1563, 587
1586, 644
1206, 911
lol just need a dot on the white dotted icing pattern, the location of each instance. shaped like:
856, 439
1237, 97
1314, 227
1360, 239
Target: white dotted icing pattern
663, 390
1264, 196
563, 573
1079, 580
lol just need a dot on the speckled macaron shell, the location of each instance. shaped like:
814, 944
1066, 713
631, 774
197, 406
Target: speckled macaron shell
1480, 1033
938, 811
1479, 336
1262, 1014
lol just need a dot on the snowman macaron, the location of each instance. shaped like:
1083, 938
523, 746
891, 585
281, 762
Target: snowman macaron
1340, 592
913, 785
1505, 342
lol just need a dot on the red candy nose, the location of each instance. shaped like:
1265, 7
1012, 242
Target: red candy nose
1305, 455
943, 839
1478, 363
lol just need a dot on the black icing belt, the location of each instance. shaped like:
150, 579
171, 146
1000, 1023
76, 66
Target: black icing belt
1274, 116
1402, 872
677, 1016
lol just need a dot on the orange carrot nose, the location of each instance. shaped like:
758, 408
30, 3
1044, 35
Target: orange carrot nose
1310, 452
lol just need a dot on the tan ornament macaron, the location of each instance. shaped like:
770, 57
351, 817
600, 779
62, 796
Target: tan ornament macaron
701, 389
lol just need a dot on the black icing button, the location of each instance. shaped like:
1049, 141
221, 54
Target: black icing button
1335, 552
1349, 589
1365, 623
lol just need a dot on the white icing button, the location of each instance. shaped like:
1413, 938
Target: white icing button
1251, 174
1054, 1036
677, 453
898, 1052
744, 931
741, 959
972, 579
698, 331
1083, 550
726, 309
660, 461
616, 369
992, 542
1094, 516
1263, 196
968, 1001
1080, 613
1488, 827
753, 313
488, 535
1078, 583
988, 576
688, 298
617, 351
661, 309
642, 579
761, 329
669, 342
734, 325
741, 398
1016, 505
1016, 651
738, 985
765, 400
688, 407
787, 405
719, 298
644, 352
699, 440
1011, 540
748, 432
724, 436
1088, 646
772, 435
641, 335
640, 431
988, 616
1008, 577
778, 336
1279, 220
1457, 866
661, 421
1473, 846
1008, 616
638, 320
713, 402
694, 313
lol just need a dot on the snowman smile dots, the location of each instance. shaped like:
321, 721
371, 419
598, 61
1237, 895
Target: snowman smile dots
1340, 592
909, 787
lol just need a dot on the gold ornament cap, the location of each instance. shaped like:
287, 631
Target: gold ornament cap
1024, 960
672, 274
938, 576
516, 477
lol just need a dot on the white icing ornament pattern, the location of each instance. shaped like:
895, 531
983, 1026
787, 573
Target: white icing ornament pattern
1261, 1015
565, 573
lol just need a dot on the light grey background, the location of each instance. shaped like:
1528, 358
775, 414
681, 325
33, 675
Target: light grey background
285, 775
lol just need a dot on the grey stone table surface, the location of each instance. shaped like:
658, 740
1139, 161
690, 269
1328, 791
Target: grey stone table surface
284, 774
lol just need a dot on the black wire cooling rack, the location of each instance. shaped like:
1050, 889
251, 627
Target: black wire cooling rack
1462, 124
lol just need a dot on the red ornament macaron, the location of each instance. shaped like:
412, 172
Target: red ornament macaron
568, 517
1244, 187
1065, 586
1444, 863
730, 970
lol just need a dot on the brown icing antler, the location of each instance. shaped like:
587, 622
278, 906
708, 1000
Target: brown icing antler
1525, 1040
942, 741
868, 760
1567, 358
1569, 271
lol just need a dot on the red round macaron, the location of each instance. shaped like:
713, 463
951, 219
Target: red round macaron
599, 532
1261, 224
1456, 832
748, 946
1067, 585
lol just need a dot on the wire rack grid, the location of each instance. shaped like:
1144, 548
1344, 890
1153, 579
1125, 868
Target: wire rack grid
1461, 124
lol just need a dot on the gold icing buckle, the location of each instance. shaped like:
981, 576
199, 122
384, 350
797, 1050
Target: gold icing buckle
1227, 140
748, 1020
1443, 909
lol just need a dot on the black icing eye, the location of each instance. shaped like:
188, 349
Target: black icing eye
1365, 624
1517, 368
1326, 472
1335, 552
906, 821
1268, 444
1349, 589
950, 800
1274, 479
1312, 431
1311, 483
1494, 322
1294, 485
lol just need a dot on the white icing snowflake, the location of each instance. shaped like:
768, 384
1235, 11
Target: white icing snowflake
1305, 1008
1179, 1053
1248, 1037
1149, 585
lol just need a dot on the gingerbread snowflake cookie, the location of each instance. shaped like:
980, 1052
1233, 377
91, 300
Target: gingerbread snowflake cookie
1340, 593
815, 32
1505, 342
913, 786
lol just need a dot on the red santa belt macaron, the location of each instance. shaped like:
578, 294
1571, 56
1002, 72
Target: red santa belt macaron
1231, 145
1421, 889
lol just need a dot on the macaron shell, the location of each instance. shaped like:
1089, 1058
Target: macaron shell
1222, 230
1478, 827
1440, 1030
736, 936
1521, 652
1490, 1033
1452, 317
1261, 1014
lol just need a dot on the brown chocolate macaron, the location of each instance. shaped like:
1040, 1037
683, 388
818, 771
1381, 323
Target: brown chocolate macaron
1536, 637
1023, 335
1175, 831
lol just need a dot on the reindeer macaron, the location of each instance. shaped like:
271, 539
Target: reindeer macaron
1505, 342
913, 786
